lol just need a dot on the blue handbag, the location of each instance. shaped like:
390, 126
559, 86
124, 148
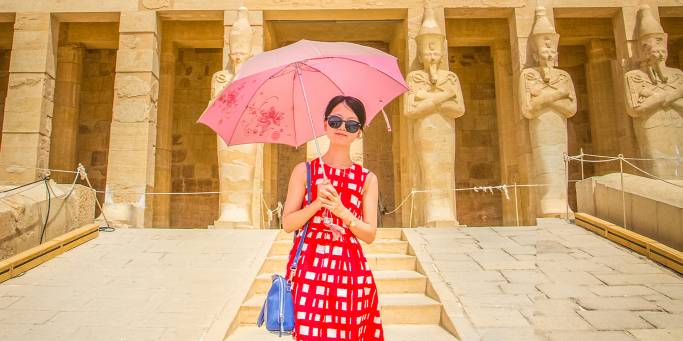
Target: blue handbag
278, 309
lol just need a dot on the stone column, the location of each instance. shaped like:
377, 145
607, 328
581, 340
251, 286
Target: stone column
130, 170
601, 95
28, 109
64, 144
242, 165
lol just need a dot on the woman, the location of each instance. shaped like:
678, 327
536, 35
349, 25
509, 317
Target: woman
335, 296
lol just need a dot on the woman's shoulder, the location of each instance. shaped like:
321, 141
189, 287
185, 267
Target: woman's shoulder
299, 169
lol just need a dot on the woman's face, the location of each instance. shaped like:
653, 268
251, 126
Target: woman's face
340, 135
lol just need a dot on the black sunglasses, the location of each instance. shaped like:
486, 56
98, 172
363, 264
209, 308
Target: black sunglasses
335, 122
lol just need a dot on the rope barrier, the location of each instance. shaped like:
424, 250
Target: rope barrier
277, 210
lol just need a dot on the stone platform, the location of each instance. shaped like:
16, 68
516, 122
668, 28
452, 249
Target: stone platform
555, 281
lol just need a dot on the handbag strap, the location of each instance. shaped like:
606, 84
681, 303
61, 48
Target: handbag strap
292, 269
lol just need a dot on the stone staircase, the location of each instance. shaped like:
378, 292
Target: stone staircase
407, 312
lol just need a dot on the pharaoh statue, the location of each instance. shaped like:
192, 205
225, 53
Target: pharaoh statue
547, 99
236, 164
433, 102
654, 94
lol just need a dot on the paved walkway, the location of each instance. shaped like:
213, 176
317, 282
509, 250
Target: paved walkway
551, 282
555, 281
136, 284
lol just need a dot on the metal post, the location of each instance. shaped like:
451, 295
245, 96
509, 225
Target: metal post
566, 187
516, 206
412, 198
623, 195
582, 175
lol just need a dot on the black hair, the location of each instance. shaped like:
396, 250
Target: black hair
354, 103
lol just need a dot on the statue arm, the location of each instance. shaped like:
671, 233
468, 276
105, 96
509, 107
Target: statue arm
524, 97
530, 105
635, 107
416, 107
454, 106
675, 98
567, 106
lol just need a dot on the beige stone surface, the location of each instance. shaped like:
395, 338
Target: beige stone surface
653, 208
131, 160
23, 211
152, 102
569, 293
136, 284
27, 122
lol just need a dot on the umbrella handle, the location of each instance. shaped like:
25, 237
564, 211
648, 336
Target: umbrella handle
386, 119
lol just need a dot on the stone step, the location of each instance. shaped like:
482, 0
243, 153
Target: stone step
282, 247
392, 332
382, 233
388, 282
376, 261
395, 309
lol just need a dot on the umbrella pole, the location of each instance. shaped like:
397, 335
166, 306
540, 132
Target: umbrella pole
310, 120
327, 219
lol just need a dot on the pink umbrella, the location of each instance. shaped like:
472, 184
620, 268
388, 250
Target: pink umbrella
280, 96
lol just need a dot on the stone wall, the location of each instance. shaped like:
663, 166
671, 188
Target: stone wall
492, 147
653, 208
4, 79
194, 159
477, 159
22, 215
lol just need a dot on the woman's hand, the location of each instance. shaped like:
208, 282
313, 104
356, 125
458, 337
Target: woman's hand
330, 199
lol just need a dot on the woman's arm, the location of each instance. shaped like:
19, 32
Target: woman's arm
365, 229
294, 217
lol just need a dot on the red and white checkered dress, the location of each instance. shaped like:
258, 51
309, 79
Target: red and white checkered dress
335, 296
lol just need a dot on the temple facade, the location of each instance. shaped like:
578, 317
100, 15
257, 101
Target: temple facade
499, 92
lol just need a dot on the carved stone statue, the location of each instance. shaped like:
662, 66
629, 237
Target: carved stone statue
654, 95
547, 99
433, 103
236, 164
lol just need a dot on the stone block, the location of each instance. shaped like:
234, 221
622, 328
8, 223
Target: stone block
653, 208
32, 21
496, 317
255, 18
138, 60
138, 21
33, 61
31, 40
616, 303
138, 41
663, 320
569, 321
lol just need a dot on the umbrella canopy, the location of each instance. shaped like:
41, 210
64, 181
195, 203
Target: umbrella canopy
280, 96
